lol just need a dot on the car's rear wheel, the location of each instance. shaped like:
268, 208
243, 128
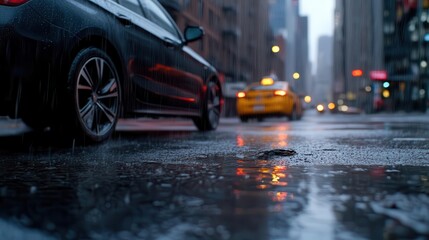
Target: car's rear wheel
95, 94
244, 119
211, 110
294, 114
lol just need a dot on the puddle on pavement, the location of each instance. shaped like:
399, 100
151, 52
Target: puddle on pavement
224, 198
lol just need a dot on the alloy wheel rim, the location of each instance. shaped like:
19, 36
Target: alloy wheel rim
213, 107
97, 96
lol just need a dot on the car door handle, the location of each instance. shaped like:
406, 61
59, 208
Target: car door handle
124, 20
170, 43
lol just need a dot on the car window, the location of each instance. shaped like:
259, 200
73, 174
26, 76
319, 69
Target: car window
275, 86
158, 16
132, 5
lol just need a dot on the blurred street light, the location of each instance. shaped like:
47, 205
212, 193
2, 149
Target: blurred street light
386, 84
296, 76
275, 49
386, 93
368, 89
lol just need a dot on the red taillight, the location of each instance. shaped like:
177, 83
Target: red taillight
12, 2
280, 93
241, 94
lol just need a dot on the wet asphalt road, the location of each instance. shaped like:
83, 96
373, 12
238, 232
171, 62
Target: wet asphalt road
352, 177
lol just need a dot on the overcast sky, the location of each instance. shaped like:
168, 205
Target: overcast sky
321, 22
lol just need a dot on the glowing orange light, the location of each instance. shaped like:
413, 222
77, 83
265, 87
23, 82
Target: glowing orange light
280, 168
240, 141
281, 175
281, 184
280, 93
282, 140
331, 106
240, 172
278, 196
357, 73
281, 196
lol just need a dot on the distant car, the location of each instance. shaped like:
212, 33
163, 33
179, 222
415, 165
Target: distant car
268, 98
78, 65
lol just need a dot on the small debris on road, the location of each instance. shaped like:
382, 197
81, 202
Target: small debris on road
275, 152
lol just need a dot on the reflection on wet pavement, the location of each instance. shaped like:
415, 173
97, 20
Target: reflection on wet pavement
230, 198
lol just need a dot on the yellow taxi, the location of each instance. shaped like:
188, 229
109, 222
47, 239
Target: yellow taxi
268, 98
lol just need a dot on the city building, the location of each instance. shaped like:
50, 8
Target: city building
291, 30
321, 91
302, 57
380, 54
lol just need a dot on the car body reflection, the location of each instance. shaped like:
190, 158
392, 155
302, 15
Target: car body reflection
276, 136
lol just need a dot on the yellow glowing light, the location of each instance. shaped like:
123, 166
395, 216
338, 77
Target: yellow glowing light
275, 49
296, 76
275, 178
267, 81
241, 94
331, 106
320, 108
386, 93
307, 99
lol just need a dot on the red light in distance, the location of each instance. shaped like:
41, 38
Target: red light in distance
357, 73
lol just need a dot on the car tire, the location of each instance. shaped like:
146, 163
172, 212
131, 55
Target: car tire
294, 115
211, 110
94, 95
244, 119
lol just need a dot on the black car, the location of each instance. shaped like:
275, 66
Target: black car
76, 66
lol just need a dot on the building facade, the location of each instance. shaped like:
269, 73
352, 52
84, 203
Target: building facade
386, 40
287, 23
321, 91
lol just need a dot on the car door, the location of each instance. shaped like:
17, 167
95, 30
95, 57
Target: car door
179, 76
141, 54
